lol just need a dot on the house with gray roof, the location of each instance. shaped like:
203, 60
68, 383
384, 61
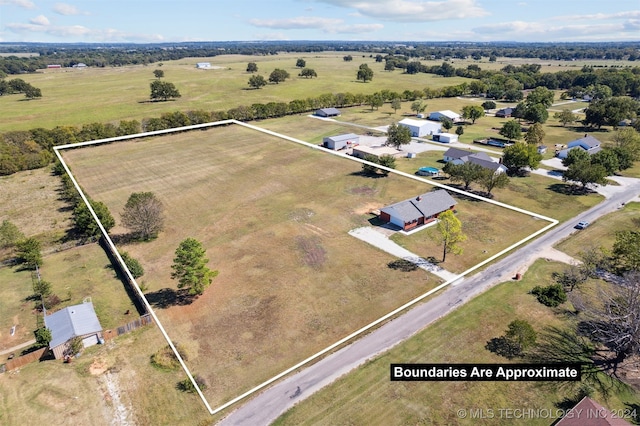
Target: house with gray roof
588, 143
461, 156
73, 321
414, 212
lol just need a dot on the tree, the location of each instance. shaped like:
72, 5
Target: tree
396, 104
143, 215
43, 337
41, 288
536, 113
301, 63
459, 130
9, 234
626, 251
189, 267
158, 73
163, 90
520, 156
488, 105
252, 67
511, 130
257, 81
629, 140
552, 295
387, 161
398, 135
576, 155
84, 221
472, 112
585, 173
308, 73
347, 58
447, 124
565, 116
389, 66
608, 159
540, 96
365, 73
29, 252
133, 265
278, 75
450, 233
418, 106
465, 172
521, 334
31, 92
375, 101
534, 135
489, 180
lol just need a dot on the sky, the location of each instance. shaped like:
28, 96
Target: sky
144, 21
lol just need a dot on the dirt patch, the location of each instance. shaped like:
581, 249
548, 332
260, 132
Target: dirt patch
98, 366
367, 208
121, 414
313, 254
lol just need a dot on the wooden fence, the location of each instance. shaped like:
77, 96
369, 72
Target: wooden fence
34, 356
130, 326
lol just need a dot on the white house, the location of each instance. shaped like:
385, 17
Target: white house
448, 114
420, 128
588, 143
203, 65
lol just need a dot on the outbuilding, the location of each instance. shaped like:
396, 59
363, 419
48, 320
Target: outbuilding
73, 321
340, 141
421, 128
327, 112
445, 114
445, 137
203, 65
362, 151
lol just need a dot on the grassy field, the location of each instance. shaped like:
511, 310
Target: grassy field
74, 275
123, 92
366, 396
601, 233
274, 217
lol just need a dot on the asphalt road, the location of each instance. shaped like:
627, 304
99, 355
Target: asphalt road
274, 401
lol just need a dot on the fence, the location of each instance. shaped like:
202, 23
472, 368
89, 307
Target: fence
130, 326
14, 363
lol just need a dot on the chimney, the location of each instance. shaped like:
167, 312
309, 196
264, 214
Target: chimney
418, 198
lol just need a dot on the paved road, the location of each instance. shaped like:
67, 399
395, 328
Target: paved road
270, 404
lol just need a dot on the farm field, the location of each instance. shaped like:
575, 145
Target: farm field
74, 274
274, 217
123, 92
366, 396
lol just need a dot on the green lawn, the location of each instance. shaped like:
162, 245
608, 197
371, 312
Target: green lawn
366, 396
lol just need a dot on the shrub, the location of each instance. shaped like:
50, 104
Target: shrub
165, 359
552, 295
187, 386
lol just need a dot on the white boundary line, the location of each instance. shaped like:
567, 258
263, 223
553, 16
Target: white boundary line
57, 149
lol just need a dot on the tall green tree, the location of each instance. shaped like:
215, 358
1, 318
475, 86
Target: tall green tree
626, 250
308, 73
86, 225
466, 173
143, 214
29, 252
163, 90
257, 81
565, 117
418, 106
133, 265
364, 73
585, 173
519, 156
278, 75
301, 63
398, 135
535, 134
472, 112
511, 130
396, 104
450, 233
189, 267
490, 180
521, 334
252, 67
158, 73
10, 234
540, 96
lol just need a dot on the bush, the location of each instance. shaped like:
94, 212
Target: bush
552, 295
402, 265
187, 386
165, 359
133, 265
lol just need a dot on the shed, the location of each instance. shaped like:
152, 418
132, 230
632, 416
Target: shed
411, 213
504, 112
420, 128
445, 137
445, 114
203, 65
340, 141
327, 112
73, 321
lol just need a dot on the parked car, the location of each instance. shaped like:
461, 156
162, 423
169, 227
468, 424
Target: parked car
582, 225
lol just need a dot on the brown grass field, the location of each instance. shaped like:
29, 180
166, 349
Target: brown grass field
274, 217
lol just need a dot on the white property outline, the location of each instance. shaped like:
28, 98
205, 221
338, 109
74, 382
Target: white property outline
105, 235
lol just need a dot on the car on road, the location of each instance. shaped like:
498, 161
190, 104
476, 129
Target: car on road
582, 225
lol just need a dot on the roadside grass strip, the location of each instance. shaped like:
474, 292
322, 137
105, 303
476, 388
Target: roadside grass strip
344, 340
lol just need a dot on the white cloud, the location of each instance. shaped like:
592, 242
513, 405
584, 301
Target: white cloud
414, 11
356, 28
542, 31
67, 9
40, 20
301, 22
21, 3
79, 31
271, 36
631, 14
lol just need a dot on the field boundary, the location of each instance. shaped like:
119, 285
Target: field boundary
346, 339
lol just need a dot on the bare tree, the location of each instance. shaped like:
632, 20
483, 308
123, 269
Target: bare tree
143, 215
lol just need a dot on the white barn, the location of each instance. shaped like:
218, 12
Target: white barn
445, 137
420, 128
448, 114
340, 141
203, 65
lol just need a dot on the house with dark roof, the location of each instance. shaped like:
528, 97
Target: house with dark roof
588, 143
461, 156
73, 321
327, 112
504, 112
589, 413
414, 212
